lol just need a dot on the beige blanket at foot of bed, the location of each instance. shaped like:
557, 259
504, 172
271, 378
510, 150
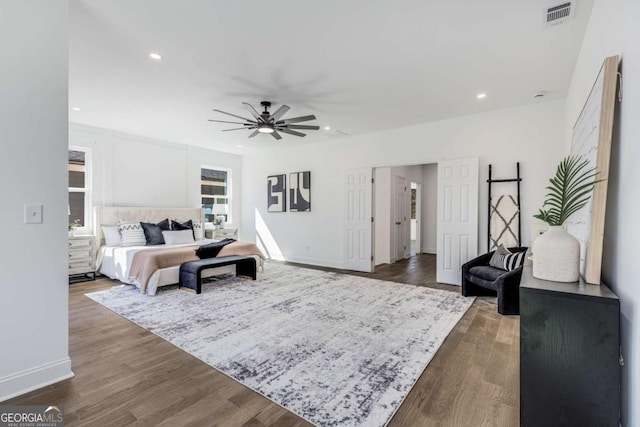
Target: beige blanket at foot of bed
145, 263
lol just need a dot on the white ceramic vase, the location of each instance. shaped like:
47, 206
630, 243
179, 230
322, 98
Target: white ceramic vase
556, 256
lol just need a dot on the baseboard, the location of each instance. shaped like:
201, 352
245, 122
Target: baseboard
429, 251
316, 262
35, 378
384, 260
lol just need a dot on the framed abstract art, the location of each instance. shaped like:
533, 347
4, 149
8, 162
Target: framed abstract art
277, 193
300, 192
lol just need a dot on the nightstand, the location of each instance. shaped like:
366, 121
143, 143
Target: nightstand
82, 264
225, 233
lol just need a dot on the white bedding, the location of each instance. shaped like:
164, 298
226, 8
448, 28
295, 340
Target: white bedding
115, 263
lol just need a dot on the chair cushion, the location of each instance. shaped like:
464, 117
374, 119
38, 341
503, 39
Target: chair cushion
486, 272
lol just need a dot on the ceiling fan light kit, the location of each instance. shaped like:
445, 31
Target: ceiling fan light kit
265, 128
266, 122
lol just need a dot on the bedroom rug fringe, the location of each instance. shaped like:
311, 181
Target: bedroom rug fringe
334, 349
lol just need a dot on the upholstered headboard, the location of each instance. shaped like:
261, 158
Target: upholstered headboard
103, 215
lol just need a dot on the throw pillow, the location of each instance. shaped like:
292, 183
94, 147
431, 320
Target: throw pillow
497, 260
178, 237
187, 225
152, 233
111, 235
513, 261
132, 234
211, 250
165, 225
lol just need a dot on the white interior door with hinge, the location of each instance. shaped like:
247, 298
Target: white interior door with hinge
457, 217
400, 223
359, 222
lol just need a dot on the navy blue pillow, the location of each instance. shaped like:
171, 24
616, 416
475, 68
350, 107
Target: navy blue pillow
153, 232
165, 225
212, 249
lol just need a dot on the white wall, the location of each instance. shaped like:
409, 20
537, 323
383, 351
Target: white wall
533, 135
33, 167
614, 28
429, 208
130, 170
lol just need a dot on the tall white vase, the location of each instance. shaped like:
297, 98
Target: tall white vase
556, 256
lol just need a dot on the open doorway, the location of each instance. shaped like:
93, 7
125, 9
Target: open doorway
450, 232
404, 192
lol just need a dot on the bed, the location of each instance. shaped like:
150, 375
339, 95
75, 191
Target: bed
115, 261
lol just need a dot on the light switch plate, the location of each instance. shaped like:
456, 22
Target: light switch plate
33, 214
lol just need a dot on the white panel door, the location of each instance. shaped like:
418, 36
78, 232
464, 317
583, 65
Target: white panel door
358, 222
457, 217
401, 236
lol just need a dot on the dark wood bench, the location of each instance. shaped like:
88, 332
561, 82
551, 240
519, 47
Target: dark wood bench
191, 272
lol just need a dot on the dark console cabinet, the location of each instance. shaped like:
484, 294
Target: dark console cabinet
569, 354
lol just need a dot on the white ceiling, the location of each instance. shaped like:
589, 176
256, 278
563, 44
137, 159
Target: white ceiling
359, 65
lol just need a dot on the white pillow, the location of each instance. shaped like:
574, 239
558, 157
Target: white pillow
177, 237
111, 235
132, 234
198, 229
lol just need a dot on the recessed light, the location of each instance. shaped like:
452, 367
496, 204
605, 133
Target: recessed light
481, 95
155, 56
75, 108
239, 146
327, 128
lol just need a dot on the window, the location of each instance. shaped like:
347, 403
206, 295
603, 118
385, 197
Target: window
215, 191
79, 187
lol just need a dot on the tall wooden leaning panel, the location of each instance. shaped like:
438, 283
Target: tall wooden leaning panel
569, 354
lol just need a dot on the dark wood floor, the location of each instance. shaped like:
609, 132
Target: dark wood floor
126, 376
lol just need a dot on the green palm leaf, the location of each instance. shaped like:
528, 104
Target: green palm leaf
569, 190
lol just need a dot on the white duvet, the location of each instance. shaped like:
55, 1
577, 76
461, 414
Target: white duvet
115, 263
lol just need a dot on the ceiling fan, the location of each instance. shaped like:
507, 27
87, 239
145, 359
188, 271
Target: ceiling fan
266, 122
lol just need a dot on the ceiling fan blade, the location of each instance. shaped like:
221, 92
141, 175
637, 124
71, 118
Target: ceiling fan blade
254, 134
303, 127
253, 112
227, 130
234, 123
276, 135
233, 115
291, 132
280, 112
296, 120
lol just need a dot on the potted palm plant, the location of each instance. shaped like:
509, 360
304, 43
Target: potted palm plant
556, 254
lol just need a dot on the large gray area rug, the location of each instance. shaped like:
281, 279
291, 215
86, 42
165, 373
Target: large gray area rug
337, 350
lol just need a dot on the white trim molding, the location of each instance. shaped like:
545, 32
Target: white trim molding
318, 262
32, 379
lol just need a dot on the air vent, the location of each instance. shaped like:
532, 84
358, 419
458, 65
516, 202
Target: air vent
558, 14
